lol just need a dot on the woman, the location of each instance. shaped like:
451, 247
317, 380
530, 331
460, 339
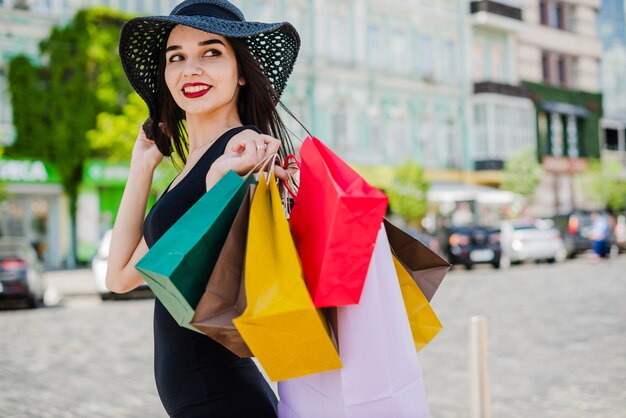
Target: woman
211, 81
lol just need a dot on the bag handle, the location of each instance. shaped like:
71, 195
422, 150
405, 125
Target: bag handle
290, 161
262, 165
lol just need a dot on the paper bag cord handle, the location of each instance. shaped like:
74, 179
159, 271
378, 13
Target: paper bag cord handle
289, 158
261, 165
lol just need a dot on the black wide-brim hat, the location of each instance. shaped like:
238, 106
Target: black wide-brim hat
142, 41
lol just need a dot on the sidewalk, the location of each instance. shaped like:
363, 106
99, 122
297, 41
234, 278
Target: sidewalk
78, 282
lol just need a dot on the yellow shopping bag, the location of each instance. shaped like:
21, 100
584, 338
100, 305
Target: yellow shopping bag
424, 323
280, 325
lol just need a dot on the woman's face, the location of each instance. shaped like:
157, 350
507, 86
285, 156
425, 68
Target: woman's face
201, 71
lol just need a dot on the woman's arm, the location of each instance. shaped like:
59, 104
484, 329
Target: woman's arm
127, 243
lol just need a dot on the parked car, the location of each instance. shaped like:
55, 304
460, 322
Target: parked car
21, 272
99, 270
469, 245
521, 241
428, 240
575, 228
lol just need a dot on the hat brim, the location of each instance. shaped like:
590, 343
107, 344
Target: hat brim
142, 40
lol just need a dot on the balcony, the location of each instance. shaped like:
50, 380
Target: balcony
494, 15
499, 88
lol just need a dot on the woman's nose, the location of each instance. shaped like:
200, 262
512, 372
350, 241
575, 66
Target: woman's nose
192, 67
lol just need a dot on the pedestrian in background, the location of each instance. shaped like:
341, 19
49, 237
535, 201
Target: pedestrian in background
211, 81
599, 234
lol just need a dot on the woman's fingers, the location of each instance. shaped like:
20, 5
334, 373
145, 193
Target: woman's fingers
272, 143
280, 173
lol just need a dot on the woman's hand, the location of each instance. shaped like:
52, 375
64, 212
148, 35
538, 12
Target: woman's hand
242, 154
145, 151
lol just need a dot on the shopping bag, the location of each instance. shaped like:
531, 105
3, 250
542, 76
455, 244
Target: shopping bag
177, 267
224, 298
424, 266
280, 325
381, 376
334, 221
422, 319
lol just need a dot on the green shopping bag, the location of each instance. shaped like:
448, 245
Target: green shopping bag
179, 264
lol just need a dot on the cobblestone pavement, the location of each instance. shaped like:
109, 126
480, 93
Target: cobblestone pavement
557, 341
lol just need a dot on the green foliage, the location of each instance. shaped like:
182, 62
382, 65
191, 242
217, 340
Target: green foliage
407, 194
603, 186
30, 117
522, 173
56, 104
115, 133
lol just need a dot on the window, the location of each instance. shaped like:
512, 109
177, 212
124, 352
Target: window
450, 62
543, 12
611, 140
426, 55
558, 69
562, 71
477, 61
497, 72
556, 14
339, 39
545, 66
572, 137
559, 11
339, 127
453, 144
375, 43
556, 135
399, 49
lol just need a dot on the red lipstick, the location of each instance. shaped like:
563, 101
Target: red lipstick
195, 94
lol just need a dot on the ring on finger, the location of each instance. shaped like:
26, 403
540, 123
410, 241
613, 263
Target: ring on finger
261, 146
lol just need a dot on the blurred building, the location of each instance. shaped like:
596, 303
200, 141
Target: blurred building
380, 81
612, 31
559, 61
503, 113
35, 205
456, 85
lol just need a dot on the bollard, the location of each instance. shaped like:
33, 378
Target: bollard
479, 368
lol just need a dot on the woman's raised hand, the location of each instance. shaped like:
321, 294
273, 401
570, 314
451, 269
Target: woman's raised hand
145, 151
244, 154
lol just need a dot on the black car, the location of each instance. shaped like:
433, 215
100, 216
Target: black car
469, 245
21, 276
575, 228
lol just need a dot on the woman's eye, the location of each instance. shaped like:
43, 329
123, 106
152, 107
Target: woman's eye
175, 58
212, 53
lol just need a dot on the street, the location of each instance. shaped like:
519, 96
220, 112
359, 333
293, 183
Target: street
557, 347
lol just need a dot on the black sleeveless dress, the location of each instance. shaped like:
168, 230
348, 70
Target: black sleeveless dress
196, 376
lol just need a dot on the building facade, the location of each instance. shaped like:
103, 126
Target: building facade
559, 62
34, 204
503, 113
612, 31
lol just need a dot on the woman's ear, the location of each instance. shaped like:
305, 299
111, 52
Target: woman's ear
242, 81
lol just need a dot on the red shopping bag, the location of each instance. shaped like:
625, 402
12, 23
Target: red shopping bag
334, 221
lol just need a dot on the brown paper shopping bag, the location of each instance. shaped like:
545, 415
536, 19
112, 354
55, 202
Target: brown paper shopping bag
424, 266
225, 298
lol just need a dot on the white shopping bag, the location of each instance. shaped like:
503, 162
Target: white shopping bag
381, 376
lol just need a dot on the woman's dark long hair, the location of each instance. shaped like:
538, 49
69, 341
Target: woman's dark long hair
256, 105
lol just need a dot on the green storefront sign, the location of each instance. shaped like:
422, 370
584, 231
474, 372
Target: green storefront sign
28, 171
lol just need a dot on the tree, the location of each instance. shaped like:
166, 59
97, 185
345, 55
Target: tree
55, 104
407, 194
602, 185
522, 173
114, 135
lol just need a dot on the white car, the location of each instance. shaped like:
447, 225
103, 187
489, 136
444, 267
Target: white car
99, 269
521, 241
